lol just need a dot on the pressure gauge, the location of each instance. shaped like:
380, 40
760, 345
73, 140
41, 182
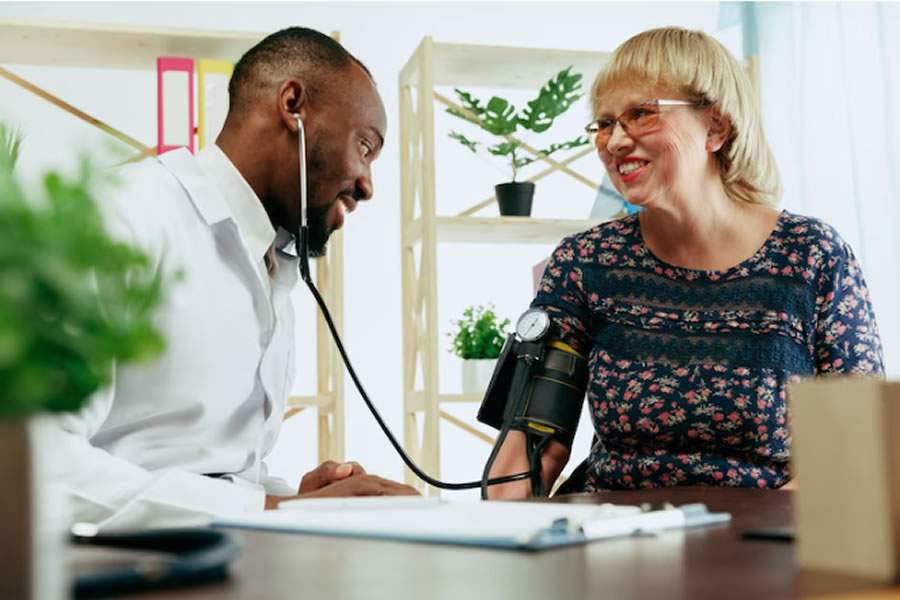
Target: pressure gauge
533, 325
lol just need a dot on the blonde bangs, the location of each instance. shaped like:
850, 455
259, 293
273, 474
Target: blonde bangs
696, 65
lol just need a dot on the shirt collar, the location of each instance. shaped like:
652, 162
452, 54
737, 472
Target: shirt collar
245, 206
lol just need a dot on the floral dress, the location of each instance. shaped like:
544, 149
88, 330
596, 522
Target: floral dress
688, 368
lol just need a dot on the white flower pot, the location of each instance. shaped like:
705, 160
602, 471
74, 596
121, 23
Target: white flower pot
33, 513
476, 374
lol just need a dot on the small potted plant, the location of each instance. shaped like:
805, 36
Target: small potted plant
72, 301
499, 118
478, 339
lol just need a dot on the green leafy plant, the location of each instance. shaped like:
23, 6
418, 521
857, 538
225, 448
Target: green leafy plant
478, 333
72, 300
500, 118
10, 145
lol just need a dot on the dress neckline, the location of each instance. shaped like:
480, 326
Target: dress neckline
715, 274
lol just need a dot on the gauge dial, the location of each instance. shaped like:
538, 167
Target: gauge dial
533, 324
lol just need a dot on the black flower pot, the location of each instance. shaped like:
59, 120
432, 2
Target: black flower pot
515, 198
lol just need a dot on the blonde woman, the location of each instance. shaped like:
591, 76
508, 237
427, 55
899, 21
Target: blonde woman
696, 312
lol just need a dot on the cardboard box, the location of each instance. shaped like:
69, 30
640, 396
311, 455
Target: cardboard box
846, 457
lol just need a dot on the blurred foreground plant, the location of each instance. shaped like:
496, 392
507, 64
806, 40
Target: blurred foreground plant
72, 299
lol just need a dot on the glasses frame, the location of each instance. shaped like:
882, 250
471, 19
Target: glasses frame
592, 129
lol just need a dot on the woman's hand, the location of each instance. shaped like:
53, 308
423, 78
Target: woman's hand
511, 459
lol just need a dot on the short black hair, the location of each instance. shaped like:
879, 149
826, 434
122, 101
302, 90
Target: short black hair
296, 51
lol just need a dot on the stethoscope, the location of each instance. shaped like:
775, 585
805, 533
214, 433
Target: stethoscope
301, 241
203, 555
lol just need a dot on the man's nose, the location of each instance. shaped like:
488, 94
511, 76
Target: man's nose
364, 187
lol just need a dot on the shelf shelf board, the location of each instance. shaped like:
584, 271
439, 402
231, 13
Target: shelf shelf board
62, 44
499, 230
472, 65
318, 401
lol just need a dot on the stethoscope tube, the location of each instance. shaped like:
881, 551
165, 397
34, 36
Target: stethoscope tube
302, 246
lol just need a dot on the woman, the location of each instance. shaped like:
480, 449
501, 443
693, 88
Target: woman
696, 312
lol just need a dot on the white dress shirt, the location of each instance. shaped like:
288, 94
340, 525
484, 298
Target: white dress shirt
139, 454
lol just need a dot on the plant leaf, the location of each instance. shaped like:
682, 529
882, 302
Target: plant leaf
503, 148
499, 117
555, 98
470, 144
473, 109
10, 146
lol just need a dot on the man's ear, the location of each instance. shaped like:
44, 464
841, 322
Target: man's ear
719, 132
292, 99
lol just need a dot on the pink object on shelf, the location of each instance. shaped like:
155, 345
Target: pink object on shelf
182, 133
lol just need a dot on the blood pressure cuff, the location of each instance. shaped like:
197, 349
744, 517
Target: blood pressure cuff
555, 394
551, 402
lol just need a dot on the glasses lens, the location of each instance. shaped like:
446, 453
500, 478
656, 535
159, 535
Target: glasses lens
641, 118
599, 131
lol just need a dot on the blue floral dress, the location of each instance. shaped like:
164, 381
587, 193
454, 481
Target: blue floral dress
688, 368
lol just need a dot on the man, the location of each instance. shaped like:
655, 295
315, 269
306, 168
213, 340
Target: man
186, 435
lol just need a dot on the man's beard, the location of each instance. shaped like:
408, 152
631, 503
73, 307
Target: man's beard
316, 216
316, 220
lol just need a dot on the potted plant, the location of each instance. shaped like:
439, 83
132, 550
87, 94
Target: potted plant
478, 339
499, 118
72, 301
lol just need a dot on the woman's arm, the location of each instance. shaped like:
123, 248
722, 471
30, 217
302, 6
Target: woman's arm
511, 459
562, 294
846, 335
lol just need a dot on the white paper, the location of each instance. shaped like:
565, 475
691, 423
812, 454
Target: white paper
423, 519
361, 503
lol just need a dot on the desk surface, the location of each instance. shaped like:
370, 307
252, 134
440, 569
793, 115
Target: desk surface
711, 562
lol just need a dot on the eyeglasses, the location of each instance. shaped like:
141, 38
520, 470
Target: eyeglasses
638, 120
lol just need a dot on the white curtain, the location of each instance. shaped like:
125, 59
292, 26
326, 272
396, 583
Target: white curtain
830, 85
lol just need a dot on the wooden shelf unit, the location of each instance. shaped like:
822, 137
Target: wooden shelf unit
84, 45
436, 64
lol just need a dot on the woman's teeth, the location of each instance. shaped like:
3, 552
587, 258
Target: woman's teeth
631, 166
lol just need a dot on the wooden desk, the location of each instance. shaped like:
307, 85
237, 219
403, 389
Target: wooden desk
711, 562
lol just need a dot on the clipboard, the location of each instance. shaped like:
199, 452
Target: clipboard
526, 526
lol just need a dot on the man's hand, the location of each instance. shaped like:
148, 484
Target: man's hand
332, 480
362, 485
326, 473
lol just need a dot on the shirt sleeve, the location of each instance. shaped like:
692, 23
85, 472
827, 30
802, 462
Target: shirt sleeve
117, 494
561, 293
846, 335
275, 486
